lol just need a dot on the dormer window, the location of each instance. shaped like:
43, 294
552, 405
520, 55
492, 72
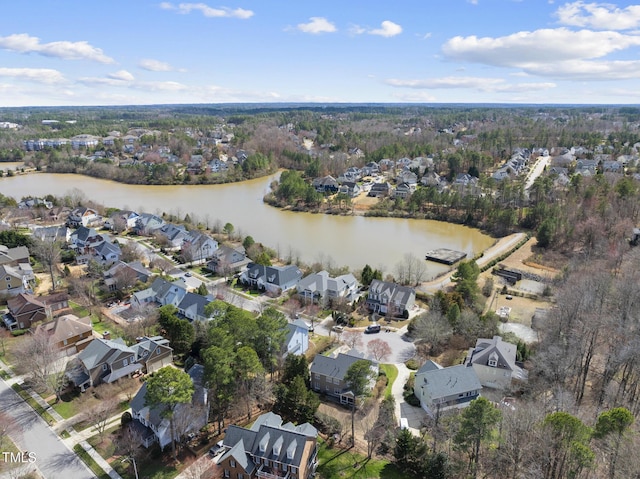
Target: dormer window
493, 360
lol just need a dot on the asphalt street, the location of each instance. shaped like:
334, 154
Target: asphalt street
53, 459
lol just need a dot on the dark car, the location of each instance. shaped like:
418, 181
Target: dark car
372, 328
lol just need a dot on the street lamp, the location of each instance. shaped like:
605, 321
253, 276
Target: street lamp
133, 461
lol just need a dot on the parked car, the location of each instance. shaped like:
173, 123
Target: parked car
372, 328
338, 328
216, 448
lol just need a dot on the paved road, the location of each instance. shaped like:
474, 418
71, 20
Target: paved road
54, 459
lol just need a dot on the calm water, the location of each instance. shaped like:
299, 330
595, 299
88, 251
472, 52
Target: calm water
341, 240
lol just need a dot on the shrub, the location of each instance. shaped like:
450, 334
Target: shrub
327, 424
18, 332
126, 418
412, 364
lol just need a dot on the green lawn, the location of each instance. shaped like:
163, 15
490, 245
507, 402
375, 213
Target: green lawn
343, 463
64, 408
392, 374
78, 309
88, 460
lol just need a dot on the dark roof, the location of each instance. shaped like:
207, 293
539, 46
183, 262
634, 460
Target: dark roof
334, 367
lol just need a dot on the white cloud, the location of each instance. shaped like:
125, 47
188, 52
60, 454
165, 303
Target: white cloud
39, 75
317, 25
387, 29
540, 46
155, 65
25, 43
121, 75
357, 30
160, 86
420, 97
207, 11
601, 16
476, 83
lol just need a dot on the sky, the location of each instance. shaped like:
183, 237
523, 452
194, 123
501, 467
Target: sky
140, 52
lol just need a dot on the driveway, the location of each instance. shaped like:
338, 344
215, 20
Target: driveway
415, 416
31, 433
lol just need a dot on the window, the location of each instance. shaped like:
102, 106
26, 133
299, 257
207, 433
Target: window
232, 463
240, 476
125, 361
226, 473
104, 367
493, 363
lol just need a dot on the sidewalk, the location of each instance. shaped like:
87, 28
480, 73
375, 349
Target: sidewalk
61, 424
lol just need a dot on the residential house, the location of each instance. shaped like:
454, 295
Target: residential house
350, 188
153, 353
51, 234
24, 311
227, 260
327, 375
107, 253
147, 224
386, 164
173, 234
84, 239
83, 216
125, 275
198, 246
273, 279
370, 169
434, 179
192, 306
320, 287
28, 203
102, 361
69, 333
297, 340
187, 418
380, 190
563, 160
269, 450
172, 293
494, 362
584, 165
403, 191
612, 166
326, 184
439, 389
13, 256
402, 162
408, 177
122, 220
390, 298
466, 184
15, 280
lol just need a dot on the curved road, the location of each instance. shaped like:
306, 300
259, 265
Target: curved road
53, 459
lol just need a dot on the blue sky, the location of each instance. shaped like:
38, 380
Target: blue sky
129, 52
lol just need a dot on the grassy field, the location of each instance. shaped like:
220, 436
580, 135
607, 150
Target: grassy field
345, 463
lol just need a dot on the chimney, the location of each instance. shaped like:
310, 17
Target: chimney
106, 335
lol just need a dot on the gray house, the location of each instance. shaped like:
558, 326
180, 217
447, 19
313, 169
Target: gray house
273, 279
494, 361
192, 306
227, 260
390, 298
102, 361
439, 388
327, 375
153, 353
187, 418
320, 287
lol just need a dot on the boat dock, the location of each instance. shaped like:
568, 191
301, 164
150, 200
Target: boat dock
445, 256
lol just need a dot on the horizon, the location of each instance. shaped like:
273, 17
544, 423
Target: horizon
144, 53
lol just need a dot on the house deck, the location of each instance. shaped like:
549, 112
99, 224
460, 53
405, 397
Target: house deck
445, 256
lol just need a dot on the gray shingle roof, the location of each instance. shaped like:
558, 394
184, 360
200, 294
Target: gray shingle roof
102, 351
449, 381
333, 367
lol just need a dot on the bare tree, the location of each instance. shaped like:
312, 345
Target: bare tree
48, 252
98, 416
353, 339
202, 468
379, 349
162, 264
185, 417
39, 357
371, 429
